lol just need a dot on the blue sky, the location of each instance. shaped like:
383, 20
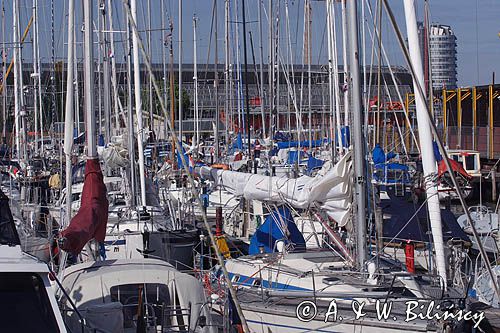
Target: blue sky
475, 22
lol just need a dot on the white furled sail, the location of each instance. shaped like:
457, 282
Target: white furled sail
330, 189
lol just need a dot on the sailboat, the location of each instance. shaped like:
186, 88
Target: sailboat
28, 302
126, 295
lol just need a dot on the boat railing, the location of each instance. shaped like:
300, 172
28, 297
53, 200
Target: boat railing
161, 317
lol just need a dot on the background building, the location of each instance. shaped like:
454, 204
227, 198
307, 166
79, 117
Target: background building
443, 56
442, 49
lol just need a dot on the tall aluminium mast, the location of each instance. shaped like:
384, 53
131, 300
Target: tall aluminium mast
130, 116
39, 78
425, 138
346, 65
36, 73
164, 58
196, 126
88, 82
358, 142
245, 59
270, 72
17, 72
261, 53
308, 48
150, 81
216, 85
180, 74
68, 119
138, 107
106, 73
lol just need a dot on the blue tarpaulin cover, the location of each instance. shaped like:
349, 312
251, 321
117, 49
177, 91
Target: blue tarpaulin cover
346, 136
379, 156
100, 140
293, 156
239, 142
180, 159
269, 233
314, 163
280, 136
400, 212
392, 166
437, 154
295, 144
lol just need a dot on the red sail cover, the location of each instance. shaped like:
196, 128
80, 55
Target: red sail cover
457, 167
92, 218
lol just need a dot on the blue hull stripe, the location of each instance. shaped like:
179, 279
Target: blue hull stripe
249, 282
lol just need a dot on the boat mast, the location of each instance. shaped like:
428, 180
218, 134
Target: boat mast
35, 75
270, 72
358, 142
425, 139
172, 92
245, 59
336, 84
227, 85
308, 49
88, 78
37, 59
329, 26
164, 59
346, 66
261, 53
130, 117
114, 84
68, 119
150, 82
138, 106
106, 74
180, 75
99, 79
22, 106
17, 102
216, 84
196, 127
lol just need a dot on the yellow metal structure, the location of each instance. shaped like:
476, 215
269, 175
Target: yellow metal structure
448, 95
409, 99
462, 94
491, 98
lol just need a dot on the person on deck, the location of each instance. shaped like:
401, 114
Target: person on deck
257, 149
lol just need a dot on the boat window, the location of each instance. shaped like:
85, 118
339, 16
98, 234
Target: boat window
456, 158
331, 280
235, 278
25, 305
257, 282
155, 300
75, 197
470, 162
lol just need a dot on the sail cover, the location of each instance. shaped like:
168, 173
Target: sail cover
91, 220
330, 189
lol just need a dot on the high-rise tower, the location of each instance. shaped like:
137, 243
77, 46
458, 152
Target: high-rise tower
443, 56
